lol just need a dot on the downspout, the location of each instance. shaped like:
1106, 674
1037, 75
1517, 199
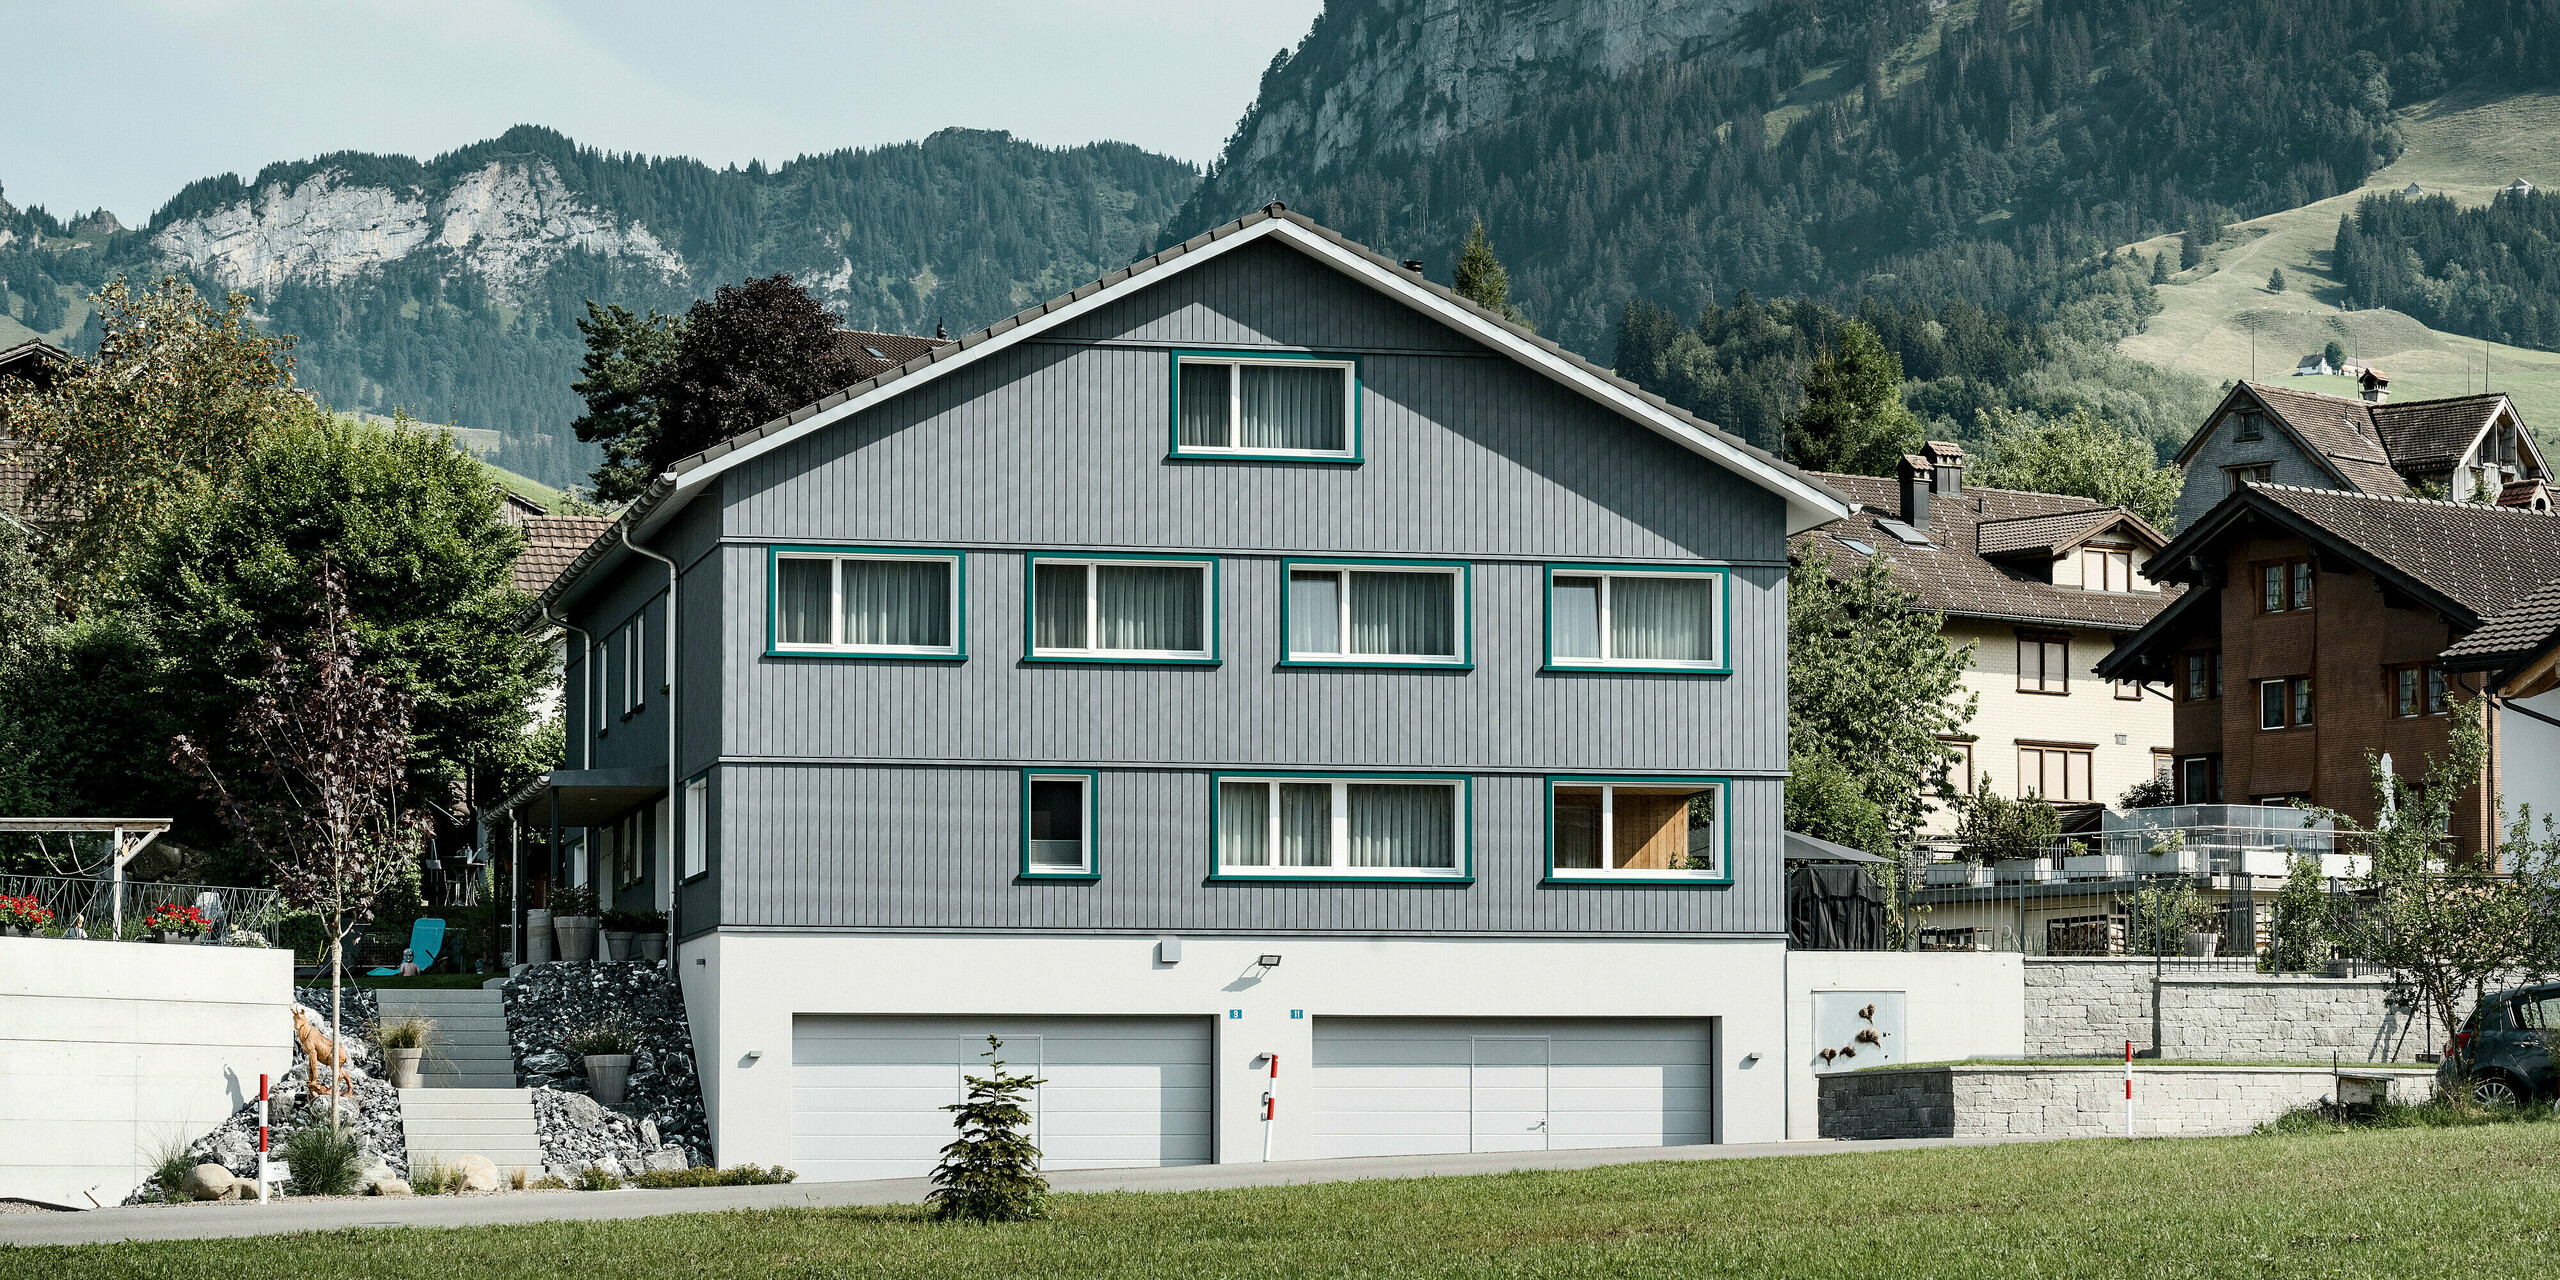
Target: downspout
586, 736
675, 816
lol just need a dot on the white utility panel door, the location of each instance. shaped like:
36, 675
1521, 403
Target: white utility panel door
1427, 1086
867, 1092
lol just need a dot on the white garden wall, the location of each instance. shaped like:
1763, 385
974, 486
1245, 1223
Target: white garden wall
110, 1050
1952, 1005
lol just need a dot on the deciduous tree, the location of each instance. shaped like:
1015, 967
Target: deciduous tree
750, 353
2078, 454
1871, 683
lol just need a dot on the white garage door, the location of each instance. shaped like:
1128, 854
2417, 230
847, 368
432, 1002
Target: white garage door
867, 1093
1421, 1086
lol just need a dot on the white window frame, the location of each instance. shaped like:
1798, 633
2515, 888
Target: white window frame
2107, 561
1608, 575
835, 604
1084, 828
1717, 832
600, 683
1235, 405
1208, 567
635, 663
697, 827
1342, 571
1339, 843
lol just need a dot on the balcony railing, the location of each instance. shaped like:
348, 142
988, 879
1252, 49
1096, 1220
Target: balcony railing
241, 917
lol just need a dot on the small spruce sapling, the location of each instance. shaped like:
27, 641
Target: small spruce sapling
991, 1172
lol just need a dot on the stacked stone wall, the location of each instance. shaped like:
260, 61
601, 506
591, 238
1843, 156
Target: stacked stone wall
2080, 1008
2075, 1102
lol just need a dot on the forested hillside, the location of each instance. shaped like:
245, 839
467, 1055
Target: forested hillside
2492, 270
451, 286
1846, 149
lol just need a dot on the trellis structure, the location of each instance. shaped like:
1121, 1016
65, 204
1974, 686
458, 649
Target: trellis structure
125, 838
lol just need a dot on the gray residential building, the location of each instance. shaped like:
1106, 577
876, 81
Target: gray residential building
1302, 713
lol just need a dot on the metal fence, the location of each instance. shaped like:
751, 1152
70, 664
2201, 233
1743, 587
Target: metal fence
2216, 920
241, 917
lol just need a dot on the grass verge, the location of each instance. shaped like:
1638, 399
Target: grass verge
2385, 1203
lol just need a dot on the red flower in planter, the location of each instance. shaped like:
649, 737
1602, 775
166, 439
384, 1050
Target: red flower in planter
173, 918
25, 911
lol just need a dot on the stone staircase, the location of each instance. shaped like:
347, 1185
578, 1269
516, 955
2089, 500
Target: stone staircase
467, 1102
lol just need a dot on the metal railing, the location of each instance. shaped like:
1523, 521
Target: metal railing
241, 917
2194, 919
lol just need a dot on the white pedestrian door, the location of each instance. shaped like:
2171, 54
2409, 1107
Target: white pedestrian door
1507, 1106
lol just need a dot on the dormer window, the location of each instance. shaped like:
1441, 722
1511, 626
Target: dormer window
2102, 569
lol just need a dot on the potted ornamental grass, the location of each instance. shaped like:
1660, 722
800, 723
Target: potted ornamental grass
21, 916
607, 1047
174, 923
573, 923
404, 1047
649, 935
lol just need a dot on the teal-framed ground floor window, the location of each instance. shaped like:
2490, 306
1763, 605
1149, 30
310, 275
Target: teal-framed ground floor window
1341, 827
1639, 830
1669, 619
1059, 824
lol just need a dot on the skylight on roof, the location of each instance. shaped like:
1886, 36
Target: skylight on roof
1903, 532
876, 353
1854, 545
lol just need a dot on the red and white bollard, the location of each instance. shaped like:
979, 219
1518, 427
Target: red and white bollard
1270, 1105
262, 1137
2128, 1088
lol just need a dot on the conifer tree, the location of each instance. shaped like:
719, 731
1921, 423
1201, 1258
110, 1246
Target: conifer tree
1853, 417
991, 1172
2160, 268
2275, 280
1482, 280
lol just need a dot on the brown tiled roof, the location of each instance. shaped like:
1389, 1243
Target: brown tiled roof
2520, 493
1951, 576
877, 353
2482, 558
551, 544
35, 360
2427, 434
2524, 628
2051, 535
2341, 430
17, 471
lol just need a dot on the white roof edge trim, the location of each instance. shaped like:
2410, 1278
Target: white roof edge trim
1798, 494
695, 478
1808, 508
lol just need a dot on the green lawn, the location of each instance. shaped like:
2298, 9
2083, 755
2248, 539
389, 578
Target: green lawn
2396, 1204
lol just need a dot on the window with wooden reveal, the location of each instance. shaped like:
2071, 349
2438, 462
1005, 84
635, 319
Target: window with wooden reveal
2044, 662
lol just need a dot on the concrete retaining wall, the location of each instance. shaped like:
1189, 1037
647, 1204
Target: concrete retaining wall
2073, 1102
2090, 1007
1956, 1004
109, 1050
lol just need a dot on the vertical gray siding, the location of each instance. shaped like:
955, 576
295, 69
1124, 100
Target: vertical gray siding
1265, 294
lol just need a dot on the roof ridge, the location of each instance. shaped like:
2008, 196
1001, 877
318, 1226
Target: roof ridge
2393, 497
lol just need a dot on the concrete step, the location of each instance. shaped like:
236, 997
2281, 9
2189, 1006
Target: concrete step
445, 1125
426, 1100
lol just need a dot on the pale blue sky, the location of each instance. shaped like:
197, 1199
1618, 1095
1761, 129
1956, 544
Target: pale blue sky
121, 102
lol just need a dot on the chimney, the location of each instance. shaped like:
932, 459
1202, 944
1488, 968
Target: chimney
1916, 486
1946, 460
2377, 388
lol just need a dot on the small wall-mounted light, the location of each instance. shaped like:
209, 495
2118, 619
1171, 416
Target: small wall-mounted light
1749, 1058
1267, 961
753, 1054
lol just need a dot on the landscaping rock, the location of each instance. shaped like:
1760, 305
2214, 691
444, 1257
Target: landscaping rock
210, 1182
387, 1187
478, 1173
665, 1160
549, 1002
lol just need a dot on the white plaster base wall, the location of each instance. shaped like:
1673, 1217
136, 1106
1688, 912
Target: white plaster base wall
111, 1050
1956, 1004
743, 989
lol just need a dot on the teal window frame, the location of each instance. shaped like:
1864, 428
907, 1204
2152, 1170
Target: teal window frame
1174, 448
1723, 664
773, 647
1723, 876
1092, 779
1463, 873
1466, 629
1214, 622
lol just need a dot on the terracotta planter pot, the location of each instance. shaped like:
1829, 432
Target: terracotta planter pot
402, 1066
576, 936
609, 1074
617, 944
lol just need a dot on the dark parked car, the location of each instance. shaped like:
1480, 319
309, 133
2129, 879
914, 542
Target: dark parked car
2505, 1049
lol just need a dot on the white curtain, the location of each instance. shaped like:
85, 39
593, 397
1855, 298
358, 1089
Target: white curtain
1203, 390
1315, 620
1662, 619
1576, 605
898, 602
1403, 826
1404, 614
1058, 607
1244, 824
806, 589
1306, 824
1148, 608
1287, 407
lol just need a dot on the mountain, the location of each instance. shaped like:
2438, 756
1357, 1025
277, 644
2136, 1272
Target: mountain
452, 286
1986, 151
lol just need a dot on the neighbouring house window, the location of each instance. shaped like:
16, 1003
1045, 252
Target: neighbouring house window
2057, 773
2285, 586
1353, 827
892, 605
1959, 764
2437, 704
2283, 703
2127, 690
2044, 662
635, 663
2200, 780
1352, 613
1140, 610
2164, 765
2204, 675
2246, 427
1637, 828
697, 827
1058, 824
599, 658
2418, 691
1265, 406
627, 844
2102, 570
1635, 618
2254, 473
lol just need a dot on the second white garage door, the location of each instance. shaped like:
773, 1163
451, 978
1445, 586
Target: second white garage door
1424, 1086
867, 1093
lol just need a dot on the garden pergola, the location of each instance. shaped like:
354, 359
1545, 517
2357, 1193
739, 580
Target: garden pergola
125, 838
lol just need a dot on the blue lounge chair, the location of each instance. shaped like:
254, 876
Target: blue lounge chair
425, 938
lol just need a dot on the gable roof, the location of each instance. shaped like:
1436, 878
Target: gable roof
2464, 559
1809, 504
2529, 627
2426, 434
35, 360
551, 544
2047, 536
874, 353
2371, 448
1951, 575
